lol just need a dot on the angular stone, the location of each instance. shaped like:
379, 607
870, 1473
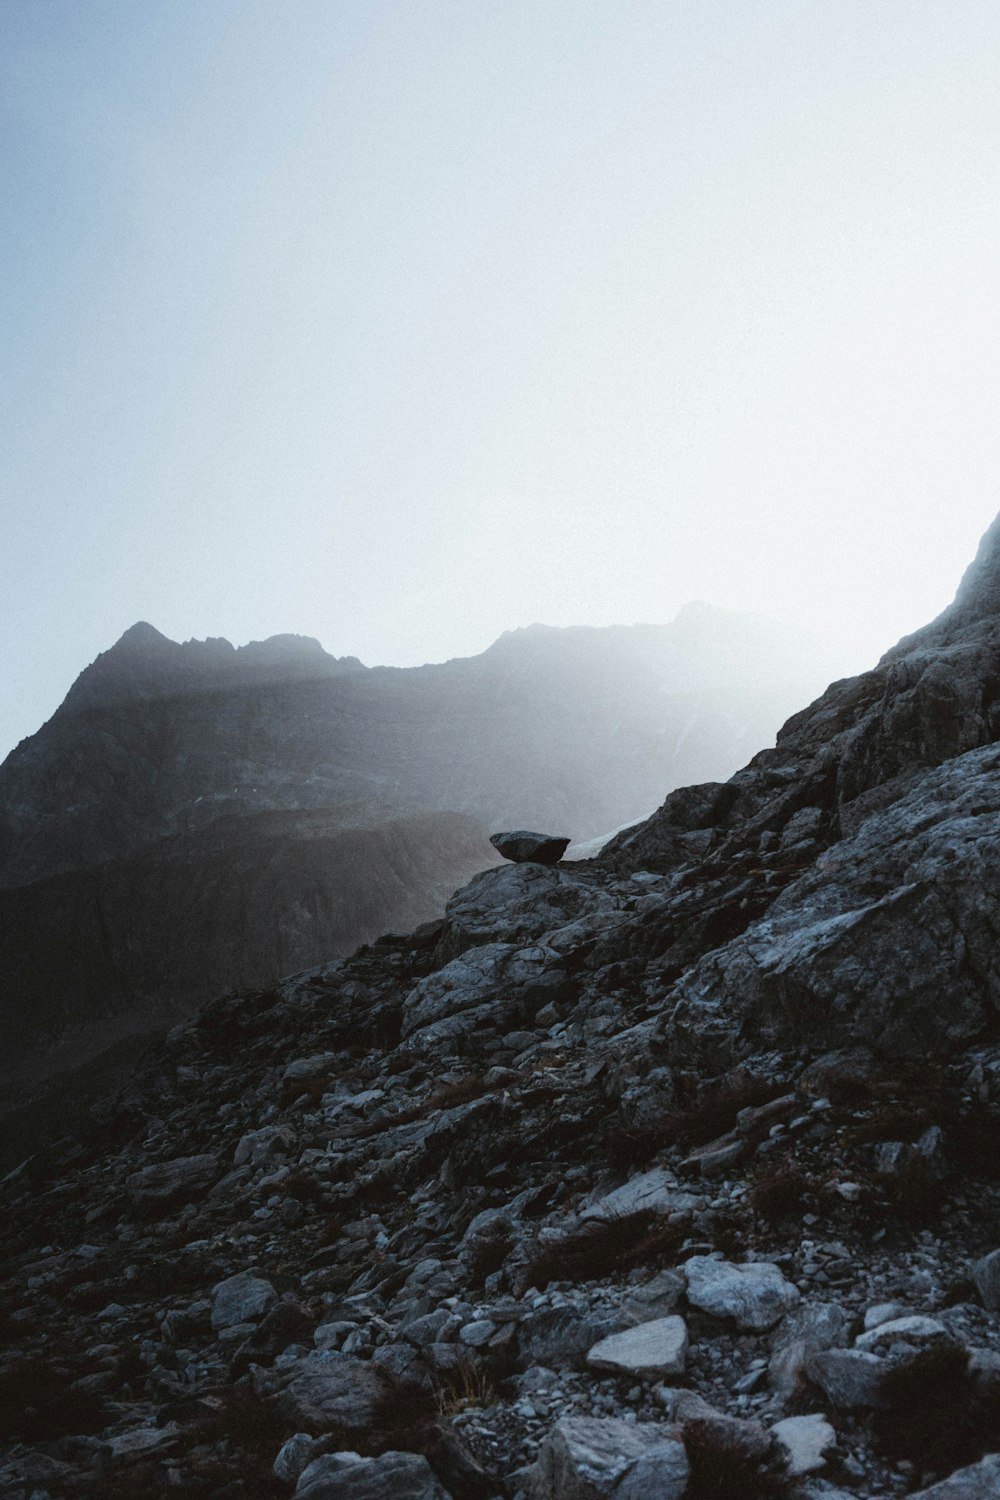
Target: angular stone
816, 1326
653, 1192
755, 1295
167, 1183
257, 1145
916, 1330
392, 1476
715, 1158
986, 1275
849, 1378
559, 1336
653, 1349
293, 1456
332, 1393
979, 1481
241, 1299
805, 1441
305, 1071
589, 1458
522, 847
140, 1443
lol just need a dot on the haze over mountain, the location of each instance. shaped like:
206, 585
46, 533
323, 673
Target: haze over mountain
673, 1173
196, 817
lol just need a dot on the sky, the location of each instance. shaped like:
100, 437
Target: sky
403, 324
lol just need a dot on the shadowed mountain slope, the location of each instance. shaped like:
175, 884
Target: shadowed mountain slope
673, 1172
196, 817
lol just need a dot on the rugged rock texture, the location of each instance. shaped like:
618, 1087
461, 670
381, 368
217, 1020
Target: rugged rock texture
196, 818
725, 1104
523, 847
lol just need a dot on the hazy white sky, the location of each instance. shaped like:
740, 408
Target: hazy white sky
401, 324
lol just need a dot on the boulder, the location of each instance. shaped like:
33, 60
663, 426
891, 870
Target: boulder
332, 1393
391, 1476
850, 1378
241, 1299
815, 1327
559, 1336
755, 1296
979, 1481
167, 1183
916, 1330
655, 1349
589, 1458
522, 847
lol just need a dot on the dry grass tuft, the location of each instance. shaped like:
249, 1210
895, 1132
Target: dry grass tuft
936, 1414
710, 1113
780, 1194
726, 1467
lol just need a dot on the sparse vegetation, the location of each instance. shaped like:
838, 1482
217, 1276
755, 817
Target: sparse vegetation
726, 1466
936, 1414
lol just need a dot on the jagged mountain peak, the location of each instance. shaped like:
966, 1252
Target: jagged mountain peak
144, 663
140, 636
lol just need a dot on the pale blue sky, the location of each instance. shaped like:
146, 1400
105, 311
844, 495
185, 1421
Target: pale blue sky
403, 324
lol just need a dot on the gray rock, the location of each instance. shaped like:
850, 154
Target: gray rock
655, 1192
916, 1330
241, 1299
986, 1275
849, 1378
559, 1336
392, 1476
293, 1456
306, 1071
979, 1481
815, 1327
589, 1458
523, 848
883, 1312
167, 1183
653, 1349
257, 1145
140, 1443
332, 1393
805, 1441
656, 1298
754, 1295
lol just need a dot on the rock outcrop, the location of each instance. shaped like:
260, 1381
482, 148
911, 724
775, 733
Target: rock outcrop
196, 818
523, 848
672, 1173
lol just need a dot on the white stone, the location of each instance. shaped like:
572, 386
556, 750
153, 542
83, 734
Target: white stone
805, 1440
915, 1329
654, 1192
755, 1295
658, 1348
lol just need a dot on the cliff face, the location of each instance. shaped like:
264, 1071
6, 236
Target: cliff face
669, 1173
196, 817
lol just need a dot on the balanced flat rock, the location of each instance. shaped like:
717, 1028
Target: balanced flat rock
522, 847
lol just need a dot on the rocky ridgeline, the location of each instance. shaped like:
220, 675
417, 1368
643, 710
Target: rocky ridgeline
674, 1174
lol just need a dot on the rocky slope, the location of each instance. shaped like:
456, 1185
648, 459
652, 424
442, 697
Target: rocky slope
671, 1174
196, 818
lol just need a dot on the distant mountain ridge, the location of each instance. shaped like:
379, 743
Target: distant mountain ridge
199, 815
